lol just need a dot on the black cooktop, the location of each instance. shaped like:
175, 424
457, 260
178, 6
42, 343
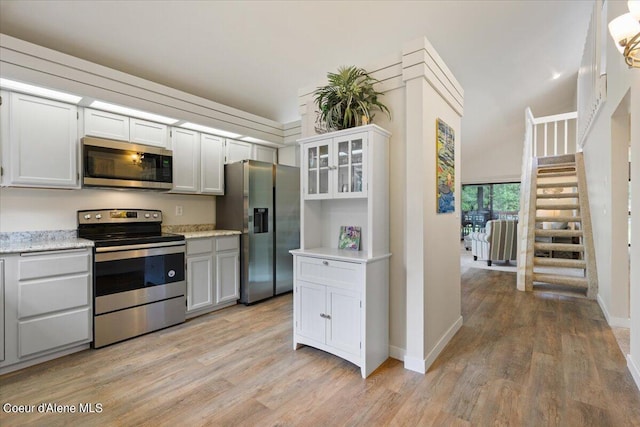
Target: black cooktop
122, 227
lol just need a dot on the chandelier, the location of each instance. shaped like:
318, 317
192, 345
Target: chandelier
625, 31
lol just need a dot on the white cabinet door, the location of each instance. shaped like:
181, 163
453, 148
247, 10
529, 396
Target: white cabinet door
311, 313
211, 164
227, 277
317, 176
349, 166
106, 125
264, 154
200, 280
236, 151
186, 154
344, 312
148, 133
43, 143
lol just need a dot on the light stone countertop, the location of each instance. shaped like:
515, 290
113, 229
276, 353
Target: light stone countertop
56, 240
39, 241
208, 233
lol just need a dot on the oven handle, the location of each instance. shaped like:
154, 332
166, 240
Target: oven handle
140, 246
138, 253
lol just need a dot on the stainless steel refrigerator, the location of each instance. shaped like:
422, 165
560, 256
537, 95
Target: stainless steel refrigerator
262, 201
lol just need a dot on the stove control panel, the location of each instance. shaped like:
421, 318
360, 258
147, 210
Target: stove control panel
119, 216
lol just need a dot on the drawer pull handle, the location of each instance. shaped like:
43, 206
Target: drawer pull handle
325, 262
325, 316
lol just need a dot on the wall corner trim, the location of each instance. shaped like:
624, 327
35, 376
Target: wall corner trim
422, 365
618, 322
397, 353
634, 369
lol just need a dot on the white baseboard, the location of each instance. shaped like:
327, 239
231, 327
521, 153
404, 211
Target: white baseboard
635, 371
618, 322
397, 352
415, 365
422, 365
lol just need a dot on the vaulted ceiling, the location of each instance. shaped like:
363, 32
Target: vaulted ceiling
255, 55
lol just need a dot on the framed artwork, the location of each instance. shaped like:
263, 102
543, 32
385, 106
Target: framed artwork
349, 238
445, 167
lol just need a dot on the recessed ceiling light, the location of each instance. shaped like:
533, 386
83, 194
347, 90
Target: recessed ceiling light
39, 91
207, 129
132, 112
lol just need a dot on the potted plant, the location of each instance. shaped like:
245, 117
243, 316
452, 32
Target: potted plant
348, 100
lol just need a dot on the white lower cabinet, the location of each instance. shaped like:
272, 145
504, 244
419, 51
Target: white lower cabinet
227, 276
212, 273
331, 316
47, 304
341, 306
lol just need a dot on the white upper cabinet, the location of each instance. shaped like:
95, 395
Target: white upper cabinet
106, 125
264, 154
42, 146
198, 165
148, 133
186, 160
335, 167
115, 126
236, 151
211, 164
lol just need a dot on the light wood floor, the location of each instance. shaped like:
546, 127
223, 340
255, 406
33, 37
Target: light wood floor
520, 359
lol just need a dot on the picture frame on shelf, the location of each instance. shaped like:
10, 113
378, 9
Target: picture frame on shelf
349, 237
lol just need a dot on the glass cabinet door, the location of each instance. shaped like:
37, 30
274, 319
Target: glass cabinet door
317, 170
350, 178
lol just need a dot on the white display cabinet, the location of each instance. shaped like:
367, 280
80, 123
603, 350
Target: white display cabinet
341, 296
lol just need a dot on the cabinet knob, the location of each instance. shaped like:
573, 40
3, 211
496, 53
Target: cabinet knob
325, 262
325, 316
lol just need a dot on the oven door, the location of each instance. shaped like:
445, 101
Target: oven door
128, 276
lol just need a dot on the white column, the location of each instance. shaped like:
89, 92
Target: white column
432, 245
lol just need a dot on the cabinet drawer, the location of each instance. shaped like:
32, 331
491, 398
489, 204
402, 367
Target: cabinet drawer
48, 265
226, 243
49, 295
50, 332
199, 246
347, 275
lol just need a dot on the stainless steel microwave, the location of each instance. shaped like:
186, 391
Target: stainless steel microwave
109, 163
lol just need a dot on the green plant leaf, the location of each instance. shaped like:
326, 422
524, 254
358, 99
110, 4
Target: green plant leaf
348, 96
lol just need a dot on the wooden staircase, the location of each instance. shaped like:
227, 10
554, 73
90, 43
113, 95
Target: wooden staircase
560, 246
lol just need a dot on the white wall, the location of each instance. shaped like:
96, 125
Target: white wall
603, 161
31, 209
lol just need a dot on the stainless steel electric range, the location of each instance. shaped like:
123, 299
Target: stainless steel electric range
138, 276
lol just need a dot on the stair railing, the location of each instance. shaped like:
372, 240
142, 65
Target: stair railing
545, 132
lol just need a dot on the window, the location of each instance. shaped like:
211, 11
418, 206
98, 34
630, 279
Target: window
482, 202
